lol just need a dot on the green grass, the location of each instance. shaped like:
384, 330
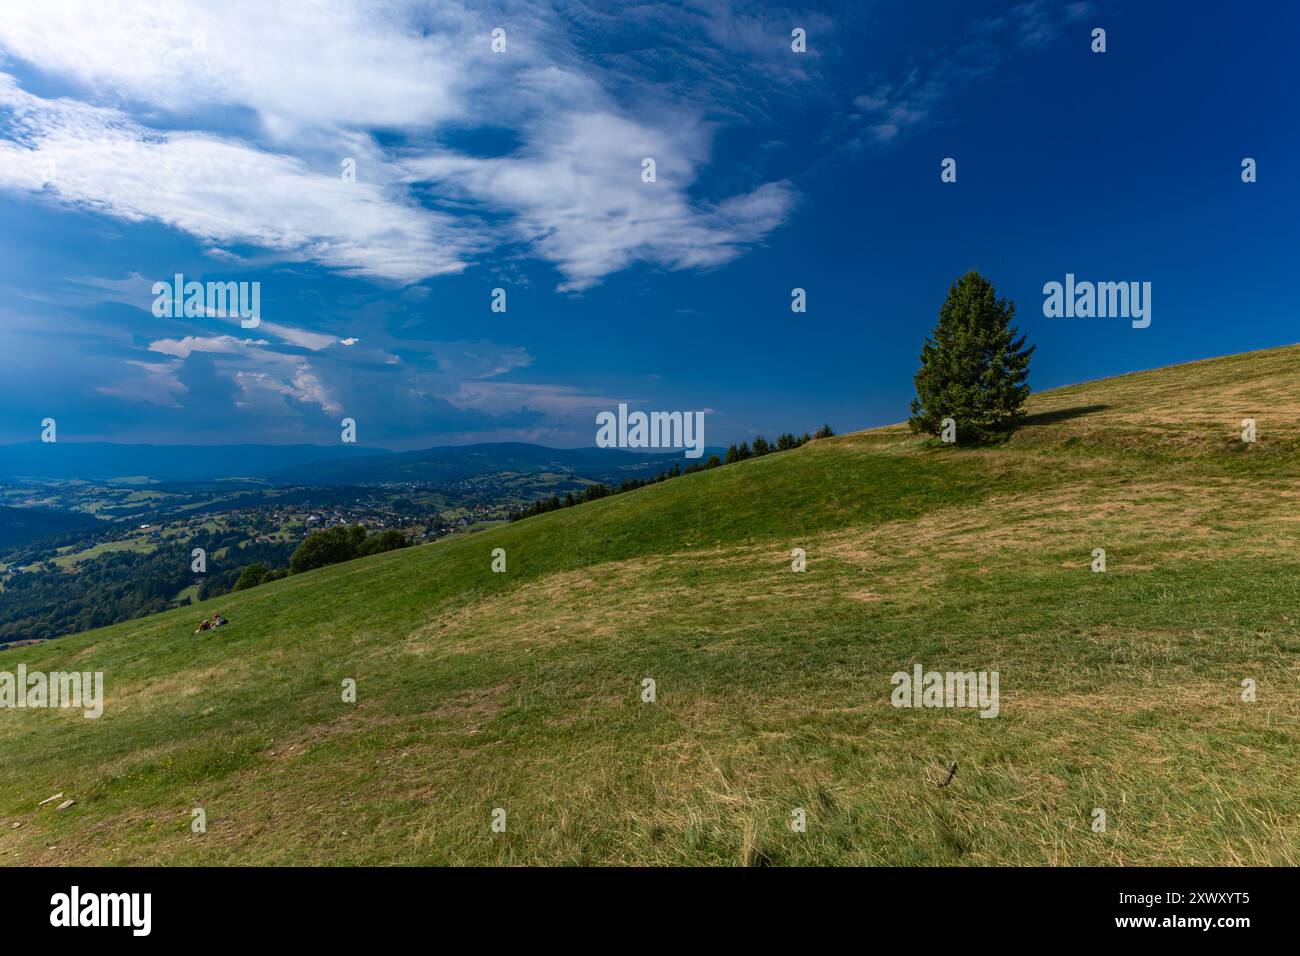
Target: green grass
69, 558
522, 690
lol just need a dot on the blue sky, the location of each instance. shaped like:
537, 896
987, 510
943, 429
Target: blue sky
139, 140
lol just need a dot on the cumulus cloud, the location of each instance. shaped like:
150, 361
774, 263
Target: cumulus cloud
246, 362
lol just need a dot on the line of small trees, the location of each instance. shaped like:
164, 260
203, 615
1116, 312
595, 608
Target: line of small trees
735, 453
592, 492
320, 548
783, 443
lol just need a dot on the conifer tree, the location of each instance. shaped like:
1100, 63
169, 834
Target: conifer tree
974, 366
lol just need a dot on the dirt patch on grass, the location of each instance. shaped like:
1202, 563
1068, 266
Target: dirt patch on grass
473, 708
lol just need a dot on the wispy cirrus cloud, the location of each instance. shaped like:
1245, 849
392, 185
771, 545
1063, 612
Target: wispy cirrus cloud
227, 125
577, 197
1035, 23
298, 88
218, 190
300, 68
906, 104
184, 347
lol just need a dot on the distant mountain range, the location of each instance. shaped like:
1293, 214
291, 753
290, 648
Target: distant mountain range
454, 462
323, 464
107, 461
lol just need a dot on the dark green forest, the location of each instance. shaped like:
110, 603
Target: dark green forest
121, 585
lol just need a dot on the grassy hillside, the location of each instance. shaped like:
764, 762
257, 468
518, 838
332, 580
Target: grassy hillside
522, 690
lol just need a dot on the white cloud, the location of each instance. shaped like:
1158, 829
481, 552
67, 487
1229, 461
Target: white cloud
220, 191
909, 104
253, 368
183, 347
300, 66
313, 341
155, 383
557, 401
578, 199
319, 80
892, 109
1035, 23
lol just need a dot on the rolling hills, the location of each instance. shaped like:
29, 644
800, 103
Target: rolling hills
342, 464
1120, 691
448, 463
100, 460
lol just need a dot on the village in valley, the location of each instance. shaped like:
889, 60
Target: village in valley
140, 537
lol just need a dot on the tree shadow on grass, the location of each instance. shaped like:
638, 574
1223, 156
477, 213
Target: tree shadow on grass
1060, 415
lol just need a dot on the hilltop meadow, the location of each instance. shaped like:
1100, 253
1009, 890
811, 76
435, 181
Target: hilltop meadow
523, 690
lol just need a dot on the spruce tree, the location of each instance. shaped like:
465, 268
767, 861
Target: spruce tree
974, 366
